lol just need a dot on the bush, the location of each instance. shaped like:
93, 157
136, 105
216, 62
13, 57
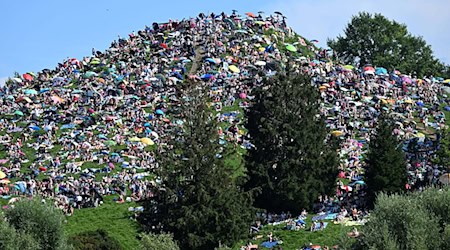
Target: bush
158, 242
94, 240
43, 222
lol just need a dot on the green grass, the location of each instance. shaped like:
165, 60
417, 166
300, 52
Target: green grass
296, 239
111, 217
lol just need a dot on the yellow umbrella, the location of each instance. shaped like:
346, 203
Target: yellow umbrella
147, 141
322, 87
5, 181
2, 175
135, 139
447, 81
420, 135
337, 133
234, 69
409, 101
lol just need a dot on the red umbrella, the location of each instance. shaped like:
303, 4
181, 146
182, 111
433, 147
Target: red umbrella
250, 14
164, 45
369, 69
27, 77
43, 169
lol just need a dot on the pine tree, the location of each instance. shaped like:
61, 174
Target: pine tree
200, 202
291, 164
386, 164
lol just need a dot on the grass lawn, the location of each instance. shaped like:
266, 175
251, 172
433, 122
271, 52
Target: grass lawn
111, 217
293, 240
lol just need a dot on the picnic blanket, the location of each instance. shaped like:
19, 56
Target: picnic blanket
325, 217
268, 244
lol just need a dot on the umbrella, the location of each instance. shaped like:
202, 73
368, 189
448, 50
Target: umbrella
234, 69
445, 178
291, 48
369, 68
18, 112
3, 161
159, 112
57, 99
5, 181
27, 77
110, 143
30, 92
260, 63
2, 175
206, 76
242, 95
406, 79
446, 81
89, 74
314, 41
381, 71
17, 80
44, 90
250, 14
210, 60
134, 139
337, 133
36, 128
278, 13
147, 141
348, 67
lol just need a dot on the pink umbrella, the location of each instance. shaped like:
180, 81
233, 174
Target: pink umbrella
3, 161
242, 95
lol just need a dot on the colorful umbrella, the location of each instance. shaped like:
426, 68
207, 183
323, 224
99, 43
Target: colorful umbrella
147, 141
18, 112
291, 48
234, 69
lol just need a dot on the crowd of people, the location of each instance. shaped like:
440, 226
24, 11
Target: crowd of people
95, 126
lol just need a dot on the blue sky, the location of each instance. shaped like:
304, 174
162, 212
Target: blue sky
39, 34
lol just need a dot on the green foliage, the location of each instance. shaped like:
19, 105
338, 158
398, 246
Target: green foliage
93, 240
442, 156
377, 40
291, 164
43, 222
158, 242
200, 202
10, 239
386, 164
111, 217
403, 222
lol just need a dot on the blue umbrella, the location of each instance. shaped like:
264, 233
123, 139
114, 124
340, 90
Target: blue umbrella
206, 76
159, 112
420, 104
30, 92
44, 90
147, 124
210, 60
36, 128
381, 71
447, 108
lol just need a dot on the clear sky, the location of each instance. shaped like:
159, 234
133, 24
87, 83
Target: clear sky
39, 34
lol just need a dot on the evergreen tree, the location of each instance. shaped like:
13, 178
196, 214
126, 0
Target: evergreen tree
291, 163
442, 156
200, 203
386, 164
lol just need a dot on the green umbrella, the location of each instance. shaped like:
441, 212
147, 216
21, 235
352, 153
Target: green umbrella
110, 143
291, 48
18, 112
349, 67
89, 74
